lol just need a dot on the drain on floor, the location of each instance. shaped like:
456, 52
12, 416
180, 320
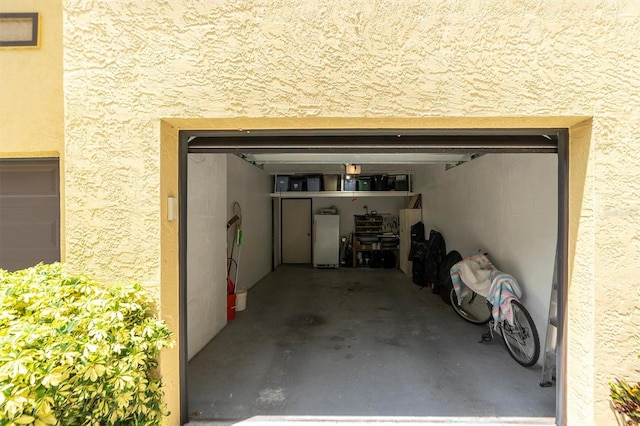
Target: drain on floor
306, 320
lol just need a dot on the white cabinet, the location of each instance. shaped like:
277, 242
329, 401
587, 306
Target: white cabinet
408, 218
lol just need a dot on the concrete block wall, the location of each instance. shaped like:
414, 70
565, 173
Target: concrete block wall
206, 251
251, 188
507, 205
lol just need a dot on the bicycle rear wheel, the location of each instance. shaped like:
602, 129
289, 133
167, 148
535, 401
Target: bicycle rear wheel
473, 308
521, 338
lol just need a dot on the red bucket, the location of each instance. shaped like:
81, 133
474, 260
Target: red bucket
231, 306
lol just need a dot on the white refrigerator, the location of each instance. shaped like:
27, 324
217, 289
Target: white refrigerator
326, 241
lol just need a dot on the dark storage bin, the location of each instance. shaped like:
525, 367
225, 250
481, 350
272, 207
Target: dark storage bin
364, 184
350, 185
388, 259
296, 184
376, 259
380, 183
401, 183
282, 183
313, 183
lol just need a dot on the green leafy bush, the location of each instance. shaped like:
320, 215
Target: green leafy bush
625, 397
75, 352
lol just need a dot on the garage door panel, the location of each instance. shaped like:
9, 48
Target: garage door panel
29, 213
35, 213
16, 259
31, 234
21, 179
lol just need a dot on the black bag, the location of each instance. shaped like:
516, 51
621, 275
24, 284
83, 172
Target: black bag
436, 253
417, 232
444, 284
417, 269
418, 251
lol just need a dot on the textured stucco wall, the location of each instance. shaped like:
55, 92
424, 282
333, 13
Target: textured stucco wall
129, 63
31, 102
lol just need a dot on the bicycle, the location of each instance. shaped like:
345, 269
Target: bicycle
520, 337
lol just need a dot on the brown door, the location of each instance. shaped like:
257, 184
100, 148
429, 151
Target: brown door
296, 230
29, 212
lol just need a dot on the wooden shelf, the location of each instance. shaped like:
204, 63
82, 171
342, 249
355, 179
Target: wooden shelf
337, 194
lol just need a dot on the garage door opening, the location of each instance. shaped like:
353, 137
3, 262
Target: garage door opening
493, 169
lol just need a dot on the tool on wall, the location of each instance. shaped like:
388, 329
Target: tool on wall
236, 239
232, 264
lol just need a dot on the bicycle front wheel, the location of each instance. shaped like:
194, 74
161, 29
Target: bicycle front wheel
521, 338
473, 307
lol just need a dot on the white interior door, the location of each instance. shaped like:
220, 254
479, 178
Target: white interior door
296, 230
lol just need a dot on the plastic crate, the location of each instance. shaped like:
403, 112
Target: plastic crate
282, 183
401, 183
350, 185
330, 182
364, 184
380, 183
313, 183
296, 184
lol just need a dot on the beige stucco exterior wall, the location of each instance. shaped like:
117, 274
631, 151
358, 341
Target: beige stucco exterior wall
31, 102
126, 65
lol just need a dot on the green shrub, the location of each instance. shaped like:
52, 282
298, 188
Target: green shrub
75, 352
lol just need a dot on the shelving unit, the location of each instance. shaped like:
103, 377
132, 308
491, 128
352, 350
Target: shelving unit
335, 194
367, 225
369, 229
340, 193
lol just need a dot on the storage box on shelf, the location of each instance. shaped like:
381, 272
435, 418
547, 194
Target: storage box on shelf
282, 183
380, 183
330, 182
287, 186
350, 185
313, 183
364, 184
401, 183
296, 184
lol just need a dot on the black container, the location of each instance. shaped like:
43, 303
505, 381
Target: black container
388, 259
380, 183
401, 183
296, 184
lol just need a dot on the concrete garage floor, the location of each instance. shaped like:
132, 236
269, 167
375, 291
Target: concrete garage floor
356, 342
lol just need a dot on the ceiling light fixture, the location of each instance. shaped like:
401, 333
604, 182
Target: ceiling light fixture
352, 169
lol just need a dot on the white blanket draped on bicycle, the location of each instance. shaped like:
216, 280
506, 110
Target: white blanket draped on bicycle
477, 273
